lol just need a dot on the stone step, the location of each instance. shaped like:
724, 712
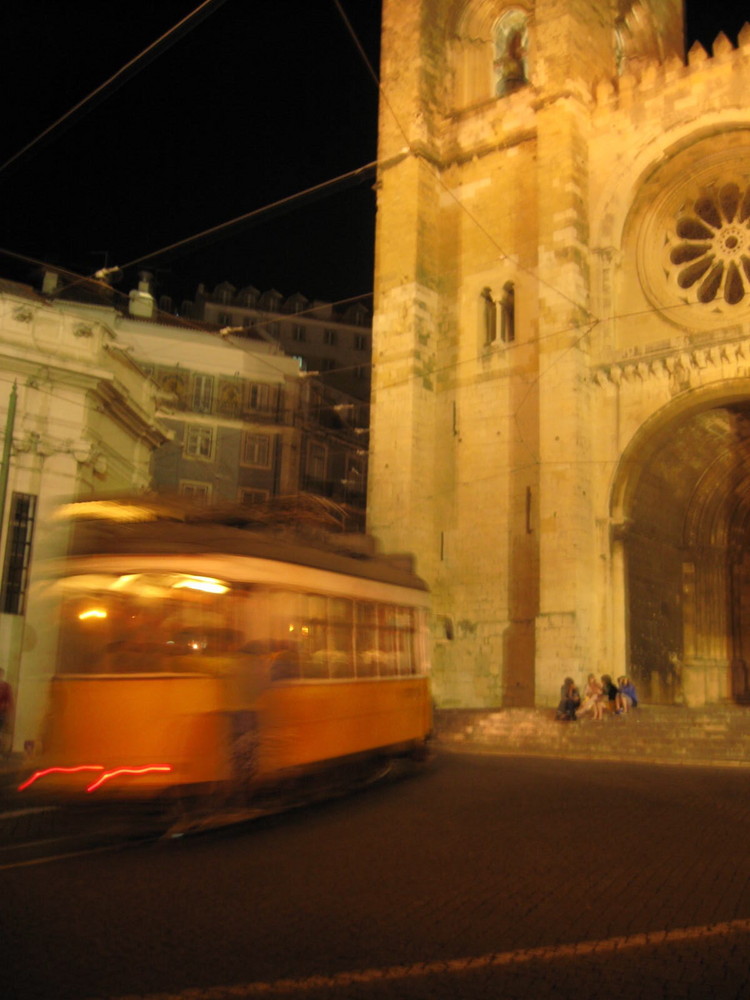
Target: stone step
720, 734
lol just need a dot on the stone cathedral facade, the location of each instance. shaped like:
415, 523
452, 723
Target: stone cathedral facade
561, 364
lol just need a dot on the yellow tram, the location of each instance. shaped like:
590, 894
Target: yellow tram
196, 656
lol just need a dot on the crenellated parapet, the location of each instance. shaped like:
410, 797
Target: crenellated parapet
662, 76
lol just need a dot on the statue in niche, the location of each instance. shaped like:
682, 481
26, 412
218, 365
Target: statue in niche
511, 52
646, 31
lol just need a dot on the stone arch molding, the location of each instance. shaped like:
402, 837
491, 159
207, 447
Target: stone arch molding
730, 394
490, 44
688, 230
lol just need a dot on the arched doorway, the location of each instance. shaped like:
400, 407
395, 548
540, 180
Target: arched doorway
684, 529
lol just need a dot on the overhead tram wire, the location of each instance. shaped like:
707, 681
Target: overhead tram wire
341, 182
304, 197
300, 198
503, 253
591, 321
585, 327
317, 190
351, 177
186, 323
101, 283
129, 70
98, 279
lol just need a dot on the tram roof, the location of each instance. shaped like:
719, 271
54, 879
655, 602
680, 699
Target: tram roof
304, 541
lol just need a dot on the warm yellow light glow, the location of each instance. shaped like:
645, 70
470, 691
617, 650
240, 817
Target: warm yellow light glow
92, 613
108, 510
204, 583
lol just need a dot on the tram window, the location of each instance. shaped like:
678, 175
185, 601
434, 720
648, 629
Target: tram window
277, 633
315, 661
404, 636
387, 640
339, 637
204, 640
315, 637
142, 624
366, 640
84, 632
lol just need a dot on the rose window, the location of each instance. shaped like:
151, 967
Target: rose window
710, 247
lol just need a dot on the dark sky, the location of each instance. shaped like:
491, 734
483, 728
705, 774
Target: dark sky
261, 100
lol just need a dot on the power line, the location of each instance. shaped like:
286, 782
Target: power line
439, 177
261, 324
102, 287
116, 81
300, 198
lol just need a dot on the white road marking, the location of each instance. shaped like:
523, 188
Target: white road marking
545, 953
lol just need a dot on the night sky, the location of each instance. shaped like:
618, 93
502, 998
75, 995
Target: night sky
259, 101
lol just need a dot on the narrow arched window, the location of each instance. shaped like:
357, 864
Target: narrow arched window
508, 313
511, 63
489, 316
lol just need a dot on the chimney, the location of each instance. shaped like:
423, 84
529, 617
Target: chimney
141, 300
50, 282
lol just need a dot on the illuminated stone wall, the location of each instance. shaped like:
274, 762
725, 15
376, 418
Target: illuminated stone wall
565, 149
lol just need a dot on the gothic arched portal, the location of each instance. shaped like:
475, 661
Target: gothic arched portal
686, 539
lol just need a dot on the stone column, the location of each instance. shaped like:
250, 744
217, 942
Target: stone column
567, 527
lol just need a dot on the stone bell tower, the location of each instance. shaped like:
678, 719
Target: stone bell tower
498, 139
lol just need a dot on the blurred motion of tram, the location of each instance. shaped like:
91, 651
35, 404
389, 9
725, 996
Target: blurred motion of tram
209, 656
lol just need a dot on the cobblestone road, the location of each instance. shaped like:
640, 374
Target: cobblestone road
483, 877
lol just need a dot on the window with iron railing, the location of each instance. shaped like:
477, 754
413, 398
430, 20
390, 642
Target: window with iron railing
18, 553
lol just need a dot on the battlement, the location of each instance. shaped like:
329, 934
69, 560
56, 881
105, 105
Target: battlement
623, 91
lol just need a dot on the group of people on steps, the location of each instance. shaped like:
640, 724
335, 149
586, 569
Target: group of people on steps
600, 697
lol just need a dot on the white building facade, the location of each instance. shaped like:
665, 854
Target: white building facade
78, 418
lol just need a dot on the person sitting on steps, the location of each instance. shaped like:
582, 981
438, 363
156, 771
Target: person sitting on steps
610, 693
626, 696
593, 698
570, 699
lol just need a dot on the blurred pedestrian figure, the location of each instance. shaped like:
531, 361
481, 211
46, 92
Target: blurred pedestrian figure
6, 713
570, 699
